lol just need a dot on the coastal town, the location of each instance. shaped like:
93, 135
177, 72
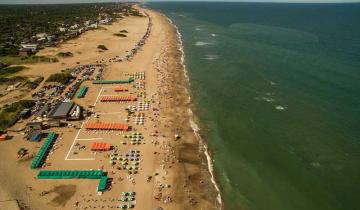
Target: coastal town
100, 133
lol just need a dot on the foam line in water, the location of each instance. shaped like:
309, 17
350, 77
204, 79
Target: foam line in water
200, 43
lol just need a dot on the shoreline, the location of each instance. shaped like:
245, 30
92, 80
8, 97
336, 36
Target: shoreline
194, 126
182, 93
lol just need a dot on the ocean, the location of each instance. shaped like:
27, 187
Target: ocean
276, 90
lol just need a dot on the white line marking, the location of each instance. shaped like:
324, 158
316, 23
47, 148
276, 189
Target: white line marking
82, 125
110, 113
97, 98
81, 159
90, 139
77, 135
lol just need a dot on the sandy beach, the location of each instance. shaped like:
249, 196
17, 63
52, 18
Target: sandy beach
173, 172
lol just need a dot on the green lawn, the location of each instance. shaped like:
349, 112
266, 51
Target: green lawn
9, 113
7, 71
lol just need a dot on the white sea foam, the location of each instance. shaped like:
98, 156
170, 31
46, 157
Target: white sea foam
315, 164
226, 178
213, 35
211, 57
273, 83
268, 99
200, 43
193, 125
280, 107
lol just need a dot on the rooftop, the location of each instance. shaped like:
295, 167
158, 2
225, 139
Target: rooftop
61, 110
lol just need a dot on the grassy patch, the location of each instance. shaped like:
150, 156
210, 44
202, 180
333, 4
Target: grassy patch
11, 80
120, 35
61, 78
35, 83
65, 54
10, 112
134, 12
102, 47
16, 60
11, 70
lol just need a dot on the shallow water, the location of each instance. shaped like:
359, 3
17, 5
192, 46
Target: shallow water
277, 92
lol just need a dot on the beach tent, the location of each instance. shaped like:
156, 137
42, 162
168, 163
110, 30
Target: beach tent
106, 126
44, 150
129, 80
100, 146
117, 98
82, 92
120, 89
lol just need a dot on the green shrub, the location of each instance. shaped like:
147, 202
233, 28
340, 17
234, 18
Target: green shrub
65, 54
35, 83
61, 78
11, 70
120, 35
12, 79
102, 47
10, 112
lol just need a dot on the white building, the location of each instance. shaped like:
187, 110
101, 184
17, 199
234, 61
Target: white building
33, 47
62, 29
75, 26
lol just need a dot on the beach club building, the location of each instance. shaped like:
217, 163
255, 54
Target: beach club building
66, 111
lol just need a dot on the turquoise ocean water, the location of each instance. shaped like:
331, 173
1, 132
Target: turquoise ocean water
277, 92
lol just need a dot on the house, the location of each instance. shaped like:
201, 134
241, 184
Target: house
34, 135
75, 26
42, 40
25, 52
34, 126
65, 110
105, 21
71, 34
43, 111
61, 110
25, 113
41, 35
62, 29
81, 30
52, 38
33, 47
53, 123
13, 87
